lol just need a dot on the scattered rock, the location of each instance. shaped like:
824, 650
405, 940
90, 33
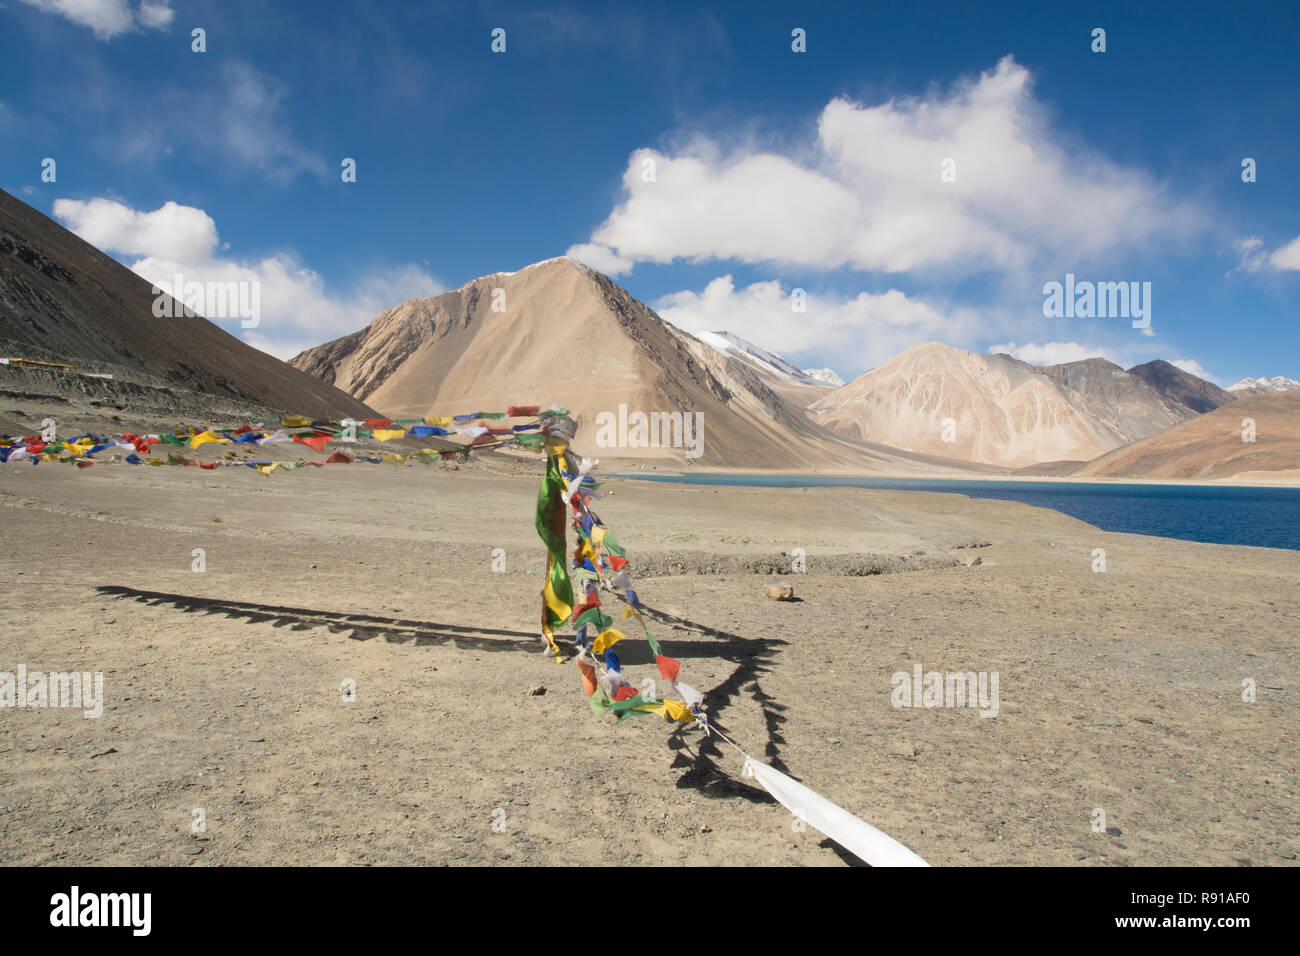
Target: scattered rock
104, 753
256, 740
779, 594
1144, 720
192, 850
537, 691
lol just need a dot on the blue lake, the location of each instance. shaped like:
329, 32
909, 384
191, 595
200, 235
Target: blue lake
1263, 517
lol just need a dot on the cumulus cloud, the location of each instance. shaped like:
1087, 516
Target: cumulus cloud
1194, 367
601, 258
1287, 258
108, 18
189, 234
297, 310
868, 193
856, 333
1253, 256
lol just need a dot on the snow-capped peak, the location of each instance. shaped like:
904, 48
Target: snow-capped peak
1278, 383
731, 344
824, 375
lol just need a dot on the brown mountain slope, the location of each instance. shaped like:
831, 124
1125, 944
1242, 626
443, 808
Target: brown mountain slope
1211, 445
1183, 387
61, 299
1004, 412
567, 335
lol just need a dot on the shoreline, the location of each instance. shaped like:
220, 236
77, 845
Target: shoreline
1028, 479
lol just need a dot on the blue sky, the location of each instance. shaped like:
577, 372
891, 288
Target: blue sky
772, 170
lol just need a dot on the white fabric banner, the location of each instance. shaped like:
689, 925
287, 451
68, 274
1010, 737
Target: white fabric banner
857, 836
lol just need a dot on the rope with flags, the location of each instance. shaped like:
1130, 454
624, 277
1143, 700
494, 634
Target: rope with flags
598, 562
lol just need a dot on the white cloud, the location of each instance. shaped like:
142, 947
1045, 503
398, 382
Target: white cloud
1253, 256
250, 125
601, 258
1053, 353
188, 234
851, 334
155, 13
868, 193
1286, 258
1194, 367
297, 310
108, 18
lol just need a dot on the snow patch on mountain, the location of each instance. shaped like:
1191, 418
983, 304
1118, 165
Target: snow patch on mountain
1255, 386
729, 343
825, 375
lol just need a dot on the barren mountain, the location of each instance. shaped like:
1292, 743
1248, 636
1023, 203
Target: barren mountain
62, 300
997, 410
1212, 445
1182, 387
558, 332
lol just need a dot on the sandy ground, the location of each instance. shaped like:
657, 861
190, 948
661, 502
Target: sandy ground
1119, 691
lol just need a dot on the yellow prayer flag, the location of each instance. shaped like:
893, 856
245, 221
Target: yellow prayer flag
598, 535
630, 611
295, 421
268, 469
204, 437
607, 638
440, 421
395, 459
387, 434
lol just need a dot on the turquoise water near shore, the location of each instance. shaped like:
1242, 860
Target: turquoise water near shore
1217, 514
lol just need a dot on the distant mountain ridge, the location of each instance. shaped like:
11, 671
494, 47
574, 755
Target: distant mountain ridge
998, 410
569, 335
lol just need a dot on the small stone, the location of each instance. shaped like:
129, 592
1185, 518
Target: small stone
779, 594
1144, 720
192, 850
537, 691
256, 740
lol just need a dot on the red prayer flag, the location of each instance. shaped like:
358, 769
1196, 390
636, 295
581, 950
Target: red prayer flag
209, 465
379, 422
588, 677
616, 563
314, 442
624, 692
338, 458
669, 668
523, 411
